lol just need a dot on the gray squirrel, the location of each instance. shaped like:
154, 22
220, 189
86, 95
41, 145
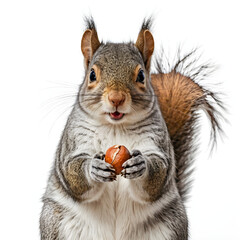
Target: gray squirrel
155, 115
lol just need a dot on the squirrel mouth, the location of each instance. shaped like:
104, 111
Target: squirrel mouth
116, 115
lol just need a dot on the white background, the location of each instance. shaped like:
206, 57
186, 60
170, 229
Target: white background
41, 67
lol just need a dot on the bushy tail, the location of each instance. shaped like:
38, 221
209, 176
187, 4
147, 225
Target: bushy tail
180, 97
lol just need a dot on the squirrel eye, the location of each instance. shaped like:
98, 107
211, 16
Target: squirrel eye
140, 77
92, 76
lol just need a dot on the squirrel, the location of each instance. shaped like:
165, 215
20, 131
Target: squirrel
155, 115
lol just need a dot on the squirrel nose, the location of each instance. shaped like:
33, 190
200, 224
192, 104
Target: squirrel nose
116, 98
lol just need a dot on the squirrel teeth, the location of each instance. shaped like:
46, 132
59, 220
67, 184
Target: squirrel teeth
116, 115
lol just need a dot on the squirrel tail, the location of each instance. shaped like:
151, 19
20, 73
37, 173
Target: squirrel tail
180, 97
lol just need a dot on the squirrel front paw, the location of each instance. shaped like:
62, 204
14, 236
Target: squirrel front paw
100, 171
135, 166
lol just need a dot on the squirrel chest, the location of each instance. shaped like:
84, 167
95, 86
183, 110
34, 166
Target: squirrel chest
106, 137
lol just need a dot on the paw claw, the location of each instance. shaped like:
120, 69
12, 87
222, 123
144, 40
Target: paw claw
136, 153
100, 155
123, 173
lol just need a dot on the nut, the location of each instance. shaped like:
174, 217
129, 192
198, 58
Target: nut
116, 156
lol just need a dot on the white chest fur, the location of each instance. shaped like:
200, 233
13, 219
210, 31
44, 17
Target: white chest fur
106, 137
109, 136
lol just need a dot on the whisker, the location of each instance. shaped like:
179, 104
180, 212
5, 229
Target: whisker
55, 107
58, 99
93, 100
133, 109
60, 115
64, 84
139, 94
90, 94
57, 102
95, 110
141, 100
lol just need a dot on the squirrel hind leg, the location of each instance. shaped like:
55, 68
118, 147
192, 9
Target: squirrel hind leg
50, 220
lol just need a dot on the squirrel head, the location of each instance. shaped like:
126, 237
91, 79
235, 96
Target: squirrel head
116, 88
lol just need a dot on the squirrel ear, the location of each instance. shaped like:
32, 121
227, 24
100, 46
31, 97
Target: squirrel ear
145, 44
89, 45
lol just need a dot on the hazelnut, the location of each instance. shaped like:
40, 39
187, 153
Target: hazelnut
117, 155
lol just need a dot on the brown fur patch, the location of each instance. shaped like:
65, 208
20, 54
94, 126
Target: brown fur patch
156, 180
75, 177
177, 95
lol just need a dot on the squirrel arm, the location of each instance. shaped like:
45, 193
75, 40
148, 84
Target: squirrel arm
74, 174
